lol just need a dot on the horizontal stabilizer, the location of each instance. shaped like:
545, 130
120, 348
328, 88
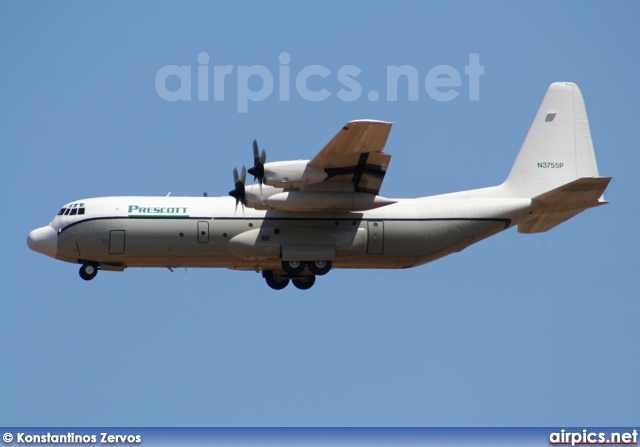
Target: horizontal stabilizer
563, 203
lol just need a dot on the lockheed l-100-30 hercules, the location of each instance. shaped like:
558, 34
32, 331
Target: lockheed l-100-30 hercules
304, 218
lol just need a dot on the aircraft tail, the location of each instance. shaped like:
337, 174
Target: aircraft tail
558, 147
556, 165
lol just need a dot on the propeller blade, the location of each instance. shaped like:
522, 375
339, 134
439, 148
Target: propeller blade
235, 175
256, 152
258, 163
259, 159
239, 192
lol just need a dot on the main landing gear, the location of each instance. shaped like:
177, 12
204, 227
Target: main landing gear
88, 271
293, 272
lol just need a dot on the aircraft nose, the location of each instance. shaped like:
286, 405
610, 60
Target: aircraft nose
44, 240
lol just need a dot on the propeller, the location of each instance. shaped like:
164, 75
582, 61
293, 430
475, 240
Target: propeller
258, 163
238, 192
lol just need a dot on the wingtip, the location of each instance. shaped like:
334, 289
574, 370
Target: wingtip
368, 121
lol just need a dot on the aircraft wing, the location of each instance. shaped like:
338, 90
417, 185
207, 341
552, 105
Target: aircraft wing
353, 159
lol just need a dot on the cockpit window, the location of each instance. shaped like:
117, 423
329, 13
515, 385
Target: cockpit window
72, 210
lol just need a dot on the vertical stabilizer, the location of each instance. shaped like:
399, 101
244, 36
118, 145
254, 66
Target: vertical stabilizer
558, 148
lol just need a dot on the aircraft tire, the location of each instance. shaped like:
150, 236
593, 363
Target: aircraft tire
274, 282
319, 267
88, 271
305, 282
293, 268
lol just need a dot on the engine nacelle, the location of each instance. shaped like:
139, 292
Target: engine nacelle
256, 196
316, 201
292, 174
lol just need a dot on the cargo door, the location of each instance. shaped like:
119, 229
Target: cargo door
116, 242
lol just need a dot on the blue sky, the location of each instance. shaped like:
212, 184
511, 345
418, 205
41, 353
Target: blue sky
518, 330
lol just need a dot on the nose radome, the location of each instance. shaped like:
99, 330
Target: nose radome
44, 240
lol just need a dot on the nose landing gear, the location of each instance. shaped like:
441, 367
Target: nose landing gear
88, 271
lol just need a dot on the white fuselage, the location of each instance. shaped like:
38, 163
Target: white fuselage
118, 232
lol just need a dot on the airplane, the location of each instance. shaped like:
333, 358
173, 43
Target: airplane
306, 217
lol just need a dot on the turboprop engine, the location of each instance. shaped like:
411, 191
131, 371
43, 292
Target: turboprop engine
292, 174
288, 186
